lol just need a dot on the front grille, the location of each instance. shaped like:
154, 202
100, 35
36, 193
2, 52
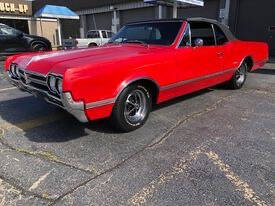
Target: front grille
35, 80
39, 83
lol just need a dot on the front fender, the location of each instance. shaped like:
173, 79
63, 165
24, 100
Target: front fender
98, 85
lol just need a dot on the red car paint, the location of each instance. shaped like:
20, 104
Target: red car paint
96, 76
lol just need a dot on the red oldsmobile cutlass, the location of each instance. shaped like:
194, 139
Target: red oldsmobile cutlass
145, 63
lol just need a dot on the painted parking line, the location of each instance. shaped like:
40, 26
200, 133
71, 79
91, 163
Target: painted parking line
147, 192
7, 89
39, 181
182, 165
34, 123
239, 184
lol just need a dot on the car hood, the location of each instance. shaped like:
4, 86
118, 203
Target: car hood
60, 61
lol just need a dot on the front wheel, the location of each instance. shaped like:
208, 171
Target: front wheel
39, 47
132, 108
239, 77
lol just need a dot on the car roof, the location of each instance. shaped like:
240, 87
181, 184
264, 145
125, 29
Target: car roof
157, 21
223, 27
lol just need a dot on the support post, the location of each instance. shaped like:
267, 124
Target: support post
115, 23
226, 16
175, 10
59, 32
83, 26
224, 11
160, 11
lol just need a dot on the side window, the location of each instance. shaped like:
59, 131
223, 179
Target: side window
186, 37
220, 36
93, 35
204, 31
110, 34
104, 34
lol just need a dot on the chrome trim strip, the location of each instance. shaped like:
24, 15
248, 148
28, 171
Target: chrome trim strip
163, 88
122, 87
214, 32
182, 83
100, 103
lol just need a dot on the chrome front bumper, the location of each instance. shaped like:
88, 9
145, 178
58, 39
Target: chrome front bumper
77, 109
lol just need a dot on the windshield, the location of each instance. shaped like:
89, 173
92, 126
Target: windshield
6, 30
162, 33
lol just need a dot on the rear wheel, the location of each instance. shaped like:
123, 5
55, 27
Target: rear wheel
239, 77
132, 108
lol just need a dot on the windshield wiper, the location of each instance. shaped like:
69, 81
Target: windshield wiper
135, 41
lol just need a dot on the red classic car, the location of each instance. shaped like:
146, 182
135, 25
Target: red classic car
145, 63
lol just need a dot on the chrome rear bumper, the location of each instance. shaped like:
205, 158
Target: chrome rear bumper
77, 109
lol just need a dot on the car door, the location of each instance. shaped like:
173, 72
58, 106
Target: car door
223, 49
184, 57
104, 37
206, 54
198, 62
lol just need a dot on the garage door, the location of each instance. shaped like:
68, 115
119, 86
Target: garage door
210, 10
133, 15
256, 22
102, 21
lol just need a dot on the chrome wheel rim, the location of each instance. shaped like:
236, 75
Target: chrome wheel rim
240, 75
135, 107
39, 47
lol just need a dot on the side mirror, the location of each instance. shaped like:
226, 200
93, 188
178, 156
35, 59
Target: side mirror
198, 42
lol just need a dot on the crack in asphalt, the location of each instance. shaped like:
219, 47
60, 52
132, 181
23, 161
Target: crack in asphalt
258, 91
42, 155
24, 192
183, 121
154, 143
151, 145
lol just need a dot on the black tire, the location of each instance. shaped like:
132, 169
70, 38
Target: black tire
239, 77
122, 119
39, 47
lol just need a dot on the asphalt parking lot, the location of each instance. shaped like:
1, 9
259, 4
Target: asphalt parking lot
214, 147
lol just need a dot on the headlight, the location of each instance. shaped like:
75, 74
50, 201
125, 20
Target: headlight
59, 86
52, 83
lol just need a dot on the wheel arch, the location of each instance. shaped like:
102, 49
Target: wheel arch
33, 42
92, 44
249, 61
147, 82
